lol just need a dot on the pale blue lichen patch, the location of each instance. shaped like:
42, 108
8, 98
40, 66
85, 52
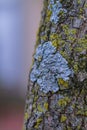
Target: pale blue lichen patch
56, 8
51, 67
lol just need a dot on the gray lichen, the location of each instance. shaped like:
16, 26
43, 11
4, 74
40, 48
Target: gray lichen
77, 22
56, 8
49, 68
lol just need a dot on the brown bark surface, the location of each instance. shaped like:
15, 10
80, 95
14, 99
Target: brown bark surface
58, 100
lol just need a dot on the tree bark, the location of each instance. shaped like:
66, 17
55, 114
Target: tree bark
57, 86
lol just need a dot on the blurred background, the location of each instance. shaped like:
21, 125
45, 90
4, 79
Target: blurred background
19, 21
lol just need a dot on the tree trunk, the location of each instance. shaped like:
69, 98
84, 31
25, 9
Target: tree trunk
57, 87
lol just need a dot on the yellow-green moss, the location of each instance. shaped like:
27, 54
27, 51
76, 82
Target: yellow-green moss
63, 83
75, 67
81, 10
79, 127
38, 122
83, 91
73, 106
46, 105
65, 27
47, 20
35, 98
26, 116
61, 13
73, 31
39, 108
78, 49
44, 38
42, 28
85, 113
64, 54
45, 3
37, 36
55, 43
69, 128
56, 40
79, 1
85, 5
48, 14
64, 101
63, 118
34, 91
70, 33
68, 30
71, 39
82, 43
53, 36
34, 105
81, 112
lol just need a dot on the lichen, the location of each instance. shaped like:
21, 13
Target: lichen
52, 67
56, 8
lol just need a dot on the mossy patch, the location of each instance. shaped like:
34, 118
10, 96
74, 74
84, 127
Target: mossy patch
26, 116
63, 118
44, 38
63, 83
39, 108
46, 106
38, 122
64, 101
82, 112
56, 40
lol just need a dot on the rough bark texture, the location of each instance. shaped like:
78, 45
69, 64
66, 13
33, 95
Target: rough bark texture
57, 87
